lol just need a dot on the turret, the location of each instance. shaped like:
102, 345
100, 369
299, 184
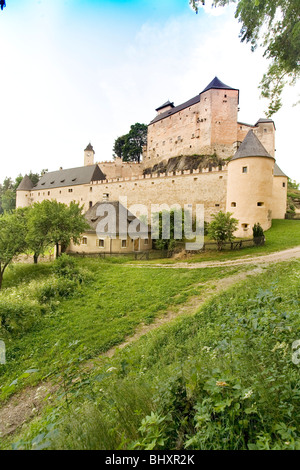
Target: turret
89, 155
23, 192
250, 186
265, 131
280, 184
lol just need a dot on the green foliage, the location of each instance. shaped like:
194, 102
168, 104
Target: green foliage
129, 147
12, 238
292, 184
276, 25
8, 191
17, 316
174, 219
55, 288
258, 233
222, 228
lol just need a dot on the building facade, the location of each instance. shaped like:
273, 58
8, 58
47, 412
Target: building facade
196, 153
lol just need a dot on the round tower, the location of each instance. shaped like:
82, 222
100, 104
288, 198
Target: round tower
23, 192
250, 186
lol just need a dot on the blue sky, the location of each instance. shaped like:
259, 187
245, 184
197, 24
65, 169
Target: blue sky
74, 71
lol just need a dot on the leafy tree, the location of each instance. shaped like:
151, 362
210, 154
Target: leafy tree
129, 147
176, 226
222, 228
292, 184
67, 223
39, 224
119, 146
8, 191
12, 238
275, 25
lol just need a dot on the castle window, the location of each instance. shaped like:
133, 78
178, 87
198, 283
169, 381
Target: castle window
225, 96
39, 194
84, 241
233, 204
283, 185
146, 241
245, 169
260, 204
220, 177
48, 193
62, 181
124, 243
105, 196
101, 243
195, 179
90, 204
91, 189
70, 190
217, 205
245, 226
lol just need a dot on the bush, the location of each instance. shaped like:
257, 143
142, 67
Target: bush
18, 316
55, 288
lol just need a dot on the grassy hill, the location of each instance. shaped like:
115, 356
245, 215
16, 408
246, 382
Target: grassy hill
221, 377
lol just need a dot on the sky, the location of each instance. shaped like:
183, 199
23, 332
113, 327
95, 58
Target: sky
80, 71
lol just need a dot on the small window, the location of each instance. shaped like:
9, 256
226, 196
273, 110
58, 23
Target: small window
105, 196
84, 241
124, 243
245, 169
70, 190
146, 241
48, 193
245, 226
260, 204
39, 194
233, 204
91, 189
90, 204
283, 185
217, 205
101, 243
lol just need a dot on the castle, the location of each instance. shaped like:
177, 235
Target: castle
196, 153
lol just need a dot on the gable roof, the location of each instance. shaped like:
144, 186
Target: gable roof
167, 103
278, 171
251, 147
121, 212
71, 177
26, 184
216, 84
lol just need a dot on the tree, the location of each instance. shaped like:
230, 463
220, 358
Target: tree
67, 223
129, 147
222, 228
8, 191
12, 238
292, 184
275, 25
39, 224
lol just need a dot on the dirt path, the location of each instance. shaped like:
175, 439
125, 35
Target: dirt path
23, 406
276, 257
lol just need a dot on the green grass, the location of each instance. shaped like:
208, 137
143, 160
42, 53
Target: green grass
222, 378
101, 314
282, 235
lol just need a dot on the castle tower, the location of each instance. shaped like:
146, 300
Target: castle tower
23, 192
250, 186
89, 155
218, 112
280, 184
265, 131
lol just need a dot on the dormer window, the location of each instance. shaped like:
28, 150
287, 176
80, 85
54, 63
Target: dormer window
62, 181
74, 179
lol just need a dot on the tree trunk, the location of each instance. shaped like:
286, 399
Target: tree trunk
57, 250
35, 258
1, 278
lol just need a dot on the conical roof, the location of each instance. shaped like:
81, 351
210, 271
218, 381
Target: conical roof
278, 171
90, 147
26, 184
251, 147
217, 84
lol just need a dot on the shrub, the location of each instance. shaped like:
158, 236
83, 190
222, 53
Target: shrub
18, 316
55, 288
258, 234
